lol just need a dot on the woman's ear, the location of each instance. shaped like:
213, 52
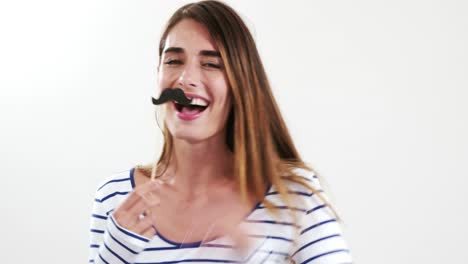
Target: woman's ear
159, 64
157, 73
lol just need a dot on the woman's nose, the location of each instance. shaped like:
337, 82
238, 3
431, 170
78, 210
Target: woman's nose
190, 76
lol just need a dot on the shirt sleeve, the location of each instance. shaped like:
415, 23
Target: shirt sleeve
109, 242
321, 239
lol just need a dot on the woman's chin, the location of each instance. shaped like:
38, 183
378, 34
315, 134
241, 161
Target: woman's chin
194, 136
191, 137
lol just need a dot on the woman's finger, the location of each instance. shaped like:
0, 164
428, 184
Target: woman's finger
140, 192
149, 232
142, 225
130, 218
143, 204
141, 199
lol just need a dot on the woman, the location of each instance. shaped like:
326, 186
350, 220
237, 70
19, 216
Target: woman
229, 185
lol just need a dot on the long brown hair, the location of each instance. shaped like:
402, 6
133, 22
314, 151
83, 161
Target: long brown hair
264, 153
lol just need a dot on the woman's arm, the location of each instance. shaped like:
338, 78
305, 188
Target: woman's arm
321, 239
111, 242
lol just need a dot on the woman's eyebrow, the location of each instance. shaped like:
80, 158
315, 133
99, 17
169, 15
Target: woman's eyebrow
210, 53
207, 53
174, 49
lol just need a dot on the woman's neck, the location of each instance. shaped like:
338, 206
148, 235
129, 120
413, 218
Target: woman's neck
197, 168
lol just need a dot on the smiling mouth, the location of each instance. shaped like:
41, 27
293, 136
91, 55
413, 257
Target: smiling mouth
190, 109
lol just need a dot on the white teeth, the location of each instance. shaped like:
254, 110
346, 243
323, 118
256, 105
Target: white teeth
199, 101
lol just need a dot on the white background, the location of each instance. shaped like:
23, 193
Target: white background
374, 93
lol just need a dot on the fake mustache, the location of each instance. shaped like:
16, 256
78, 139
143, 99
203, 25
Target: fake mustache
172, 94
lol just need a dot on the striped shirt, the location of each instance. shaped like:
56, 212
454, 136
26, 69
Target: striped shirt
271, 239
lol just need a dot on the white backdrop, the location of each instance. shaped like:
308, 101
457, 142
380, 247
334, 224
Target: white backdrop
381, 113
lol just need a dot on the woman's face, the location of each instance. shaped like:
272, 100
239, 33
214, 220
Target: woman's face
191, 61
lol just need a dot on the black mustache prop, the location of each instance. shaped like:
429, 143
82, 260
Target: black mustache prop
174, 94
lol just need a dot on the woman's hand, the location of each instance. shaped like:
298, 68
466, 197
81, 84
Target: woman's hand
135, 214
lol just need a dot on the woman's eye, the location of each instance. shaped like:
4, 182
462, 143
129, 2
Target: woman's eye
171, 62
212, 65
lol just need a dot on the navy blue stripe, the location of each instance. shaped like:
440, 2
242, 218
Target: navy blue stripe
120, 243
99, 216
161, 248
191, 260
110, 196
296, 192
110, 211
284, 207
271, 237
91, 261
177, 244
272, 222
103, 259
315, 241
116, 180
319, 224
115, 254
324, 254
208, 245
94, 246
128, 233
97, 231
316, 208
132, 178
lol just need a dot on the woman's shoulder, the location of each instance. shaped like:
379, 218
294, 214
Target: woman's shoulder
299, 179
117, 183
304, 189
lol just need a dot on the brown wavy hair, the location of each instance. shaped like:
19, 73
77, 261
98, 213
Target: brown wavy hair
264, 153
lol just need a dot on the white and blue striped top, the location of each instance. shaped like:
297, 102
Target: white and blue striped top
270, 239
